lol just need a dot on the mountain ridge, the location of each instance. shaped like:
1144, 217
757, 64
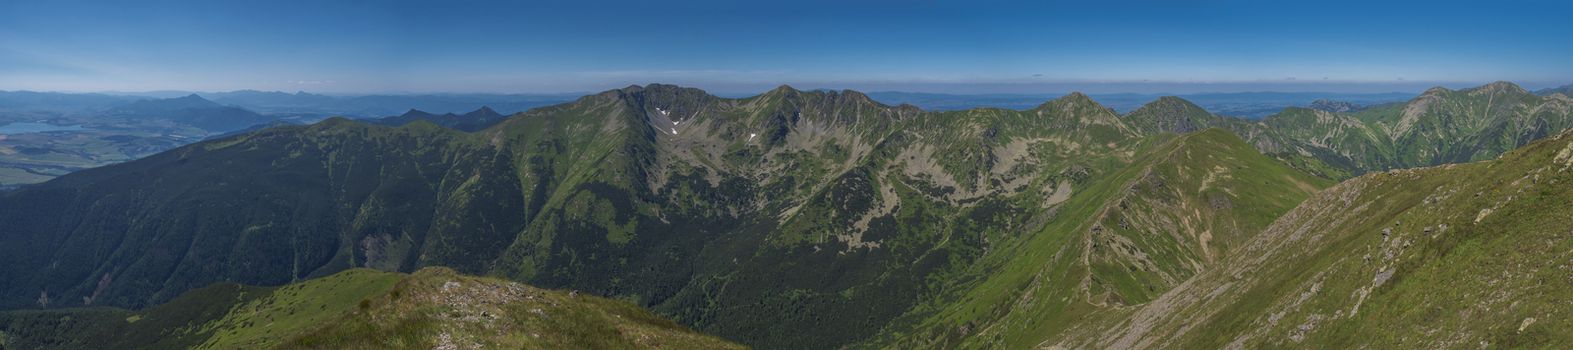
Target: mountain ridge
194, 110
756, 219
1565, 90
1416, 228
476, 120
619, 160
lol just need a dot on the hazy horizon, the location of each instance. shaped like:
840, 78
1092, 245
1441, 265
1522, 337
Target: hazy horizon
960, 90
732, 48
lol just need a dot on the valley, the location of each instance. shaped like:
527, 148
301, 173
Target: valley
45, 134
36, 146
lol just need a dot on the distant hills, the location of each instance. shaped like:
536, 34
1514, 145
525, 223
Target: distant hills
274, 102
472, 121
1250, 105
192, 110
383, 105
23, 101
1565, 90
826, 219
154, 106
106, 129
80, 134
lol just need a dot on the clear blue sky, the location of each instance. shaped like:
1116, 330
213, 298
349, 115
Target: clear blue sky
742, 46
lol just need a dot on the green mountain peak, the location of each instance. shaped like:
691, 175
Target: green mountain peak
1436, 90
1075, 98
1171, 114
1504, 87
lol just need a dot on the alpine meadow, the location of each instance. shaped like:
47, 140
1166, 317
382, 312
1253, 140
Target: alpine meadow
821, 175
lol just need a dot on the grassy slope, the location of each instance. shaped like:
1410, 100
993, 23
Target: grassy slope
222, 316
1083, 264
1453, 256
296, 308
173, 325
437, 308
363, 309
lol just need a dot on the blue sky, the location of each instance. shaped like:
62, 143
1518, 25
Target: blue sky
742, 46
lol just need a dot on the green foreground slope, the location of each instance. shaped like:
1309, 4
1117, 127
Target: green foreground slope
1188, 202
1468, 255
360, 309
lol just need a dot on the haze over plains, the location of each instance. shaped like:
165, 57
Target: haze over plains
743, 47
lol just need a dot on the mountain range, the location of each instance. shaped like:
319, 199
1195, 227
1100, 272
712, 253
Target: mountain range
276, 102
373, 105
1565, 90
192, 110
815, 219
472, 121
50, 134
1249, 105
1326, 105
